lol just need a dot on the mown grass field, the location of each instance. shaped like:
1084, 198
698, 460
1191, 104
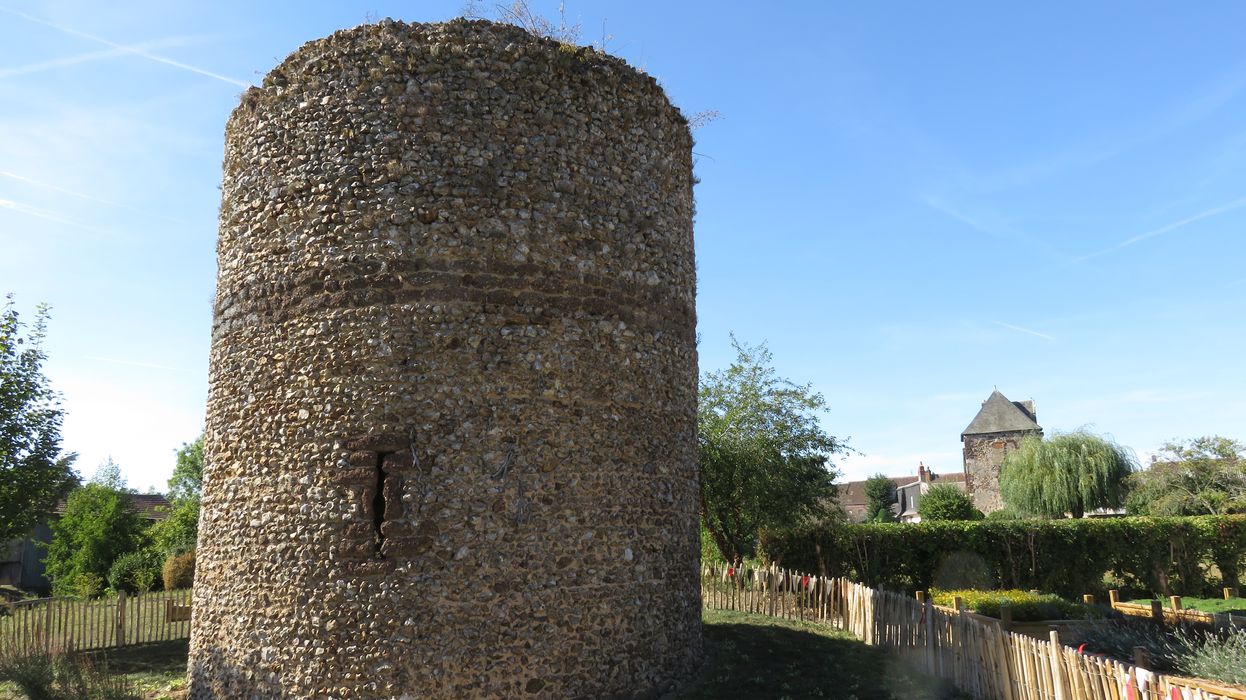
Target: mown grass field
1233, 606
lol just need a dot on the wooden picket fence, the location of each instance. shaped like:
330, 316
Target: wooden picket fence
61, 624
977, 656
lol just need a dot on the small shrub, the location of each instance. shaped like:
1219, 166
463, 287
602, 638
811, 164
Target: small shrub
83, 584
1118, 638
1217, 657
136, 572
946, 502
179, 571
1026, 606
62, 676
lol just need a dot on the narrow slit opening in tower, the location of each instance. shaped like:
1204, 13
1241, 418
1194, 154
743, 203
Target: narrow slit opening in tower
378, 504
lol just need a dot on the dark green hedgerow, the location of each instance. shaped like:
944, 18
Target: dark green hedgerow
1159, 556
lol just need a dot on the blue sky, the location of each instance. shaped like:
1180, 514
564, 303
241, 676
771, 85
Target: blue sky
911, 203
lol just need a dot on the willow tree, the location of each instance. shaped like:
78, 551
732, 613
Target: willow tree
765, 459
1067, 473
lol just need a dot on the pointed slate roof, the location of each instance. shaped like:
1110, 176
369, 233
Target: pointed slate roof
999, 415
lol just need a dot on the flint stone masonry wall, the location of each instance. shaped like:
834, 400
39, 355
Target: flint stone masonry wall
984, 455
451, 416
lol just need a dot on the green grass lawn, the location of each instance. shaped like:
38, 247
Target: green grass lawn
153, 671
1234, 606
157, 670
753, 656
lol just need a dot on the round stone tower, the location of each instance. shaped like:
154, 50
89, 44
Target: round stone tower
451, 433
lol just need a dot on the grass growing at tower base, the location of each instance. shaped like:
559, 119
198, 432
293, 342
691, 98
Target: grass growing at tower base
753, 656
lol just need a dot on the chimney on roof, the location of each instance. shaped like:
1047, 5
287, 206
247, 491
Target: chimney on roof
1028, 407
923, 474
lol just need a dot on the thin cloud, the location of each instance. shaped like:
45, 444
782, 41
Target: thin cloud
943, 208
135, 50
135, 363
995, 229
83, 196
1214, 211
45, 214
93, 56
960, 396
856, 467
1021, 329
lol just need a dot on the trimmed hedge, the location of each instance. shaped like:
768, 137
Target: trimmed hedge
135, 572
1069, 557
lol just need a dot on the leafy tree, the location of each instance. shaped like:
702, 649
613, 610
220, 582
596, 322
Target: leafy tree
765, 460
946, 502
1201, 476
34, 474
1066, 473
880, 494
99, 525
177, 532
187, 480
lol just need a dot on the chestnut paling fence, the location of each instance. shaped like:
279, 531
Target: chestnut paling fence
978, 657
67, 624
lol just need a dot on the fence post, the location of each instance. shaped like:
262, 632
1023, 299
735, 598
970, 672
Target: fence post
1114, 597
1229, 592
928, 614
771, 602
1057, 664
1176, 603
1142, 659
1005, 617
121, 618
921, 596
1222, 621
1088, 599
47, 625
959, 604
1157, 612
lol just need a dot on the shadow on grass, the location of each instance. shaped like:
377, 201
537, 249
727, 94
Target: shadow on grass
156, 658
152, 670
751, 656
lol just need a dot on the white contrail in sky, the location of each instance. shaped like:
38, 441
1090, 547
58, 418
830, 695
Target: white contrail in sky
1235, 204
42, 214
92, 56
1019, 329
87, 197
128, 49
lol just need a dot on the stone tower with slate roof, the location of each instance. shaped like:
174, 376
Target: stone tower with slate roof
998, 429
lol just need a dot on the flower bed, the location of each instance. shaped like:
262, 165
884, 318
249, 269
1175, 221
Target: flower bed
1026, 606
